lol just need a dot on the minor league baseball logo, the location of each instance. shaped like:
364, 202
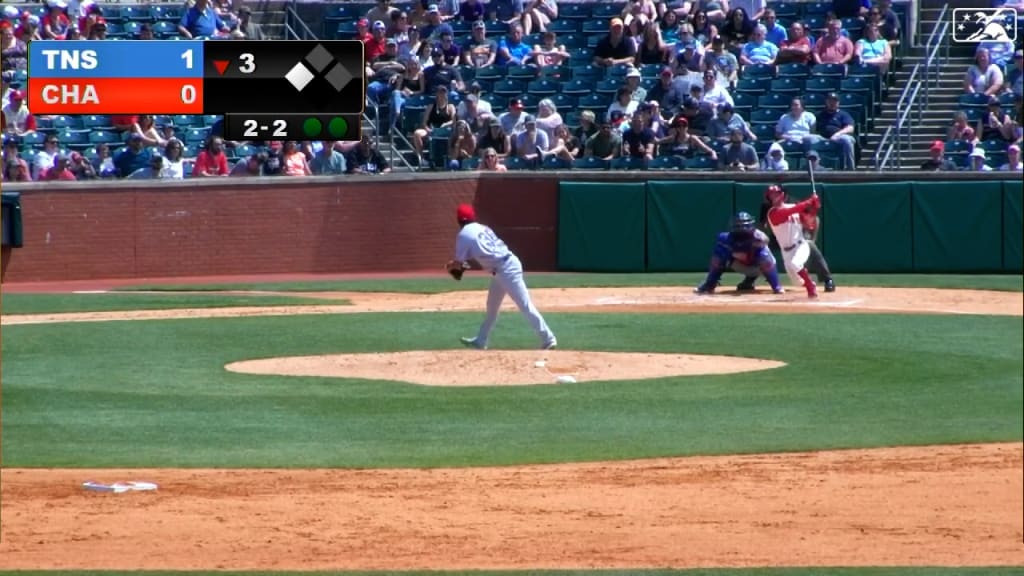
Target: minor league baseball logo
972, 25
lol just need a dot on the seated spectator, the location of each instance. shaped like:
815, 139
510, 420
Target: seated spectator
984, 76
720, 127
294, 160
652, 49
377, 43
512, 51
680, 142
587, 128
80, 167
212, 161
548, 53
888, 22
723, 62
441, 74
704, 28
643, 11
224, 10
381, 12
136, 156
531, 142
1013, 162
838, 126
471, 11
98, 31
146, 128
449, 9
16, 169
479, 51
961, 130
16, 117
775, 161
737, 30
633, 79
46, 157
246, 27
174, 162
28, 29
670, 27
408, 84
685, 36
538, 14
386, 70
363, 31
202, 21
490, 162
651, 113
435, 22
758, 50
13, 50
495, 139
412, 47
469, 111
103, 163
615, 48
775, 33
548, 118
55, 22
450, 50
833, 47
418, 16
873, 49
274, 164
507, 11
996, 124
512, 120
365, 158
624, 103
564, 145
461, 145
738, 156
798, 125
688, 61
851, 8
637, 140
619, 121
669, 91
1013, 82
797, 48
251, 166
715, 10
698, 114
152, 171
713, 94
976, 161
606, 144
439, 114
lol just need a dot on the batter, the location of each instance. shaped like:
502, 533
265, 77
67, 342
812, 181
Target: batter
477, 245
784, 219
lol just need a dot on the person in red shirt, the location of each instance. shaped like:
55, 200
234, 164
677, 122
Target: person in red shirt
55, 23
59, 171
363, 31
796, 49
834, 48
212, 161
377, 43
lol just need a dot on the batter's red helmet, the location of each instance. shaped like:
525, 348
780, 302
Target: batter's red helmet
773, 190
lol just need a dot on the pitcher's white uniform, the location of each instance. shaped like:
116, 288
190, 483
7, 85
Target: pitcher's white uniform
790, 235
478, 242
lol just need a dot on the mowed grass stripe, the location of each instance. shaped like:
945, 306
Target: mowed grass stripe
442, 283
155, 394
19, 303
814, 571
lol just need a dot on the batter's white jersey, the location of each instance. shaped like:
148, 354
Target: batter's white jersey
790, 232
478, 242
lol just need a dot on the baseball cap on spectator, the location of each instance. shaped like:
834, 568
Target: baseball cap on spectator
436, 51
938, 146
59, 4
617, 116
516, 103
689, 101
680, 121
978, 152
362, 22
645, 107
17, 96
391, 42
494, 122
244, 10
378, 25
474, 88
831, 96
32, 19
1013, 148
725, 108
433, 9
616, 23
633, 73
480, 24
11, 141
666, 71
587, 115
529, 119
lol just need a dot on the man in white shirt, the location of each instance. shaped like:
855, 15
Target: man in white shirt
1013, 163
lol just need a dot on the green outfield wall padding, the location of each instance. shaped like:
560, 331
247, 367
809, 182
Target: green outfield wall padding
601, 227
683, 219
958, 228
866, 227
1013, 227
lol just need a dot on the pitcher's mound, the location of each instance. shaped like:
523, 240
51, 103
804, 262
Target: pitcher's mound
501, 367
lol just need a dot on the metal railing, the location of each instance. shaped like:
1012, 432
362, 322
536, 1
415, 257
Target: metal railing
915, 97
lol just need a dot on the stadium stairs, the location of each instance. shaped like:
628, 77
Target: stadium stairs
270, 16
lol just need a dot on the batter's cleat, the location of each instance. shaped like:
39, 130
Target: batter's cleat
747, 285
812, 290
704, 289
778, 290
550, 345
472, 343
830, 285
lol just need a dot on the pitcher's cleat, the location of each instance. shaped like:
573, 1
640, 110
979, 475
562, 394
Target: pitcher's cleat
471, 343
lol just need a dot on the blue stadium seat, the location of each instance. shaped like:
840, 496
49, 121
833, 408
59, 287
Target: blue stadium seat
561, 73
97, 122
765, 132
509, 88
701, 164
595, 26
794, 70
34, 139
68, 123
787, 86
813, 100
131, 28
137, 12
821, 84
973, 100
628, 163
574, 11
542, 87
572, 41
588, 72
666, 163
744, 99
606, 10
974, 114
164, 29
520, 73
828, 70
555, 163
618, 71
169, 13
609, 87
759, 71
786, 10
514, 163
753, 85
564, 26
103, 137
596, 103
490, 73
765, 116
470, 163
577, 87
590, 163
817, 8
186, 120
775, 102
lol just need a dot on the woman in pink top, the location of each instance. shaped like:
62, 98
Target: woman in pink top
295, 163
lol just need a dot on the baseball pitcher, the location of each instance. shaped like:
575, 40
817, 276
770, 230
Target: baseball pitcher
742, 249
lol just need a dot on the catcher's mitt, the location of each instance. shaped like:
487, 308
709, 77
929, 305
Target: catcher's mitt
455, 269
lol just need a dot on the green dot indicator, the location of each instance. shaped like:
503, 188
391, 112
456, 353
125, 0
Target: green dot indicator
312, 127
338, 127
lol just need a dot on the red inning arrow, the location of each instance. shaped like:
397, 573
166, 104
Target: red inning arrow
221, 65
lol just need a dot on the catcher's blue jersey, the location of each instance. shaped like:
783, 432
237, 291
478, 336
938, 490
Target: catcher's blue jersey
747, 248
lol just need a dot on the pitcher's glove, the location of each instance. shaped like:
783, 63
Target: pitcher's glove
456, 269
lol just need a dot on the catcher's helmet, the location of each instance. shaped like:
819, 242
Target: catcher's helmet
743, 222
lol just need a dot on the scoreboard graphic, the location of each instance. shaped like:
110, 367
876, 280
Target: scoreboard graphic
266, 89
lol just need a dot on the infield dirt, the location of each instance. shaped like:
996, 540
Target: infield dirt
909, 506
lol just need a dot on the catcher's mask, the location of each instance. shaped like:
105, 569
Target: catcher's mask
743, 222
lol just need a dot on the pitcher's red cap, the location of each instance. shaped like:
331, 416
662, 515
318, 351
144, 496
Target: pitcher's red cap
466, 213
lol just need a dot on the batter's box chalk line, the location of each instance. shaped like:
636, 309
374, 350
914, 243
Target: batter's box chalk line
560, 378
120, 487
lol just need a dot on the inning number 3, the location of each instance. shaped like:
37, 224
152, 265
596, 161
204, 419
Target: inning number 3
248, 63
252, 129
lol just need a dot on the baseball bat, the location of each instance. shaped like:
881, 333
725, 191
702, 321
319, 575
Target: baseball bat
810, 170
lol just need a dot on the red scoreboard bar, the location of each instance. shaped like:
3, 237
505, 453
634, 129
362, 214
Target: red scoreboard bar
196, 77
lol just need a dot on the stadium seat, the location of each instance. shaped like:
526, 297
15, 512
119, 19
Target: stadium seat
563, 101
794, 71
530, 102
137, 12
765, 116
609, 87
165, 29
591, 163
745, 99
759, 71
958, 147
68, 123
185, 120
130, 28
103, 137
787, 86
555, 163
490, 73
596, 103
577, 87
564, 26
1008, 100
813, 100
572, 41
765, 132
33, 139
753, 85
560, 74
542, 87
974, 114
520, 73
786, 10
822, 84
97, 122
776, 102
828, 71
619, 71
817, 8
509, 88
594, 26
574, 11
973, 100
651, 70
470, 163
701, 164
496, 28
628, 163
515, 163
606, 10
169, 13
864, 87
587, 72
666, 163
792, 149
991, 146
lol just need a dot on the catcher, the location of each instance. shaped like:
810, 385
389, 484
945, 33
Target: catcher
743, 249
477, 246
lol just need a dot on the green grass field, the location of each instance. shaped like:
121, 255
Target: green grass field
159, 387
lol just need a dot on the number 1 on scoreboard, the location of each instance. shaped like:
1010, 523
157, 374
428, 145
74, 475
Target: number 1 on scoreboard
187, 57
